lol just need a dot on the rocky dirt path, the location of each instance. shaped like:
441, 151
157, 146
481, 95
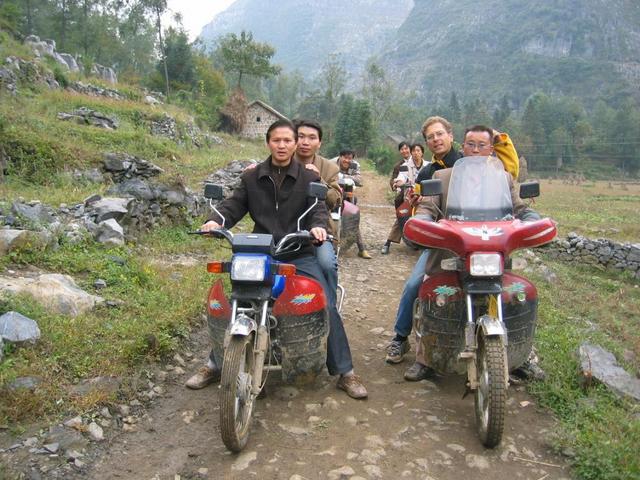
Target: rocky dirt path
421, 430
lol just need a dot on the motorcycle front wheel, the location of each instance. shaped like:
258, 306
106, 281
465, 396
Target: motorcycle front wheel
236, 398
491, 394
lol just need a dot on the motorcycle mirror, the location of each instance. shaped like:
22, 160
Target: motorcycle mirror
403, 168
317, 190
430, 188
529, 190
213, 192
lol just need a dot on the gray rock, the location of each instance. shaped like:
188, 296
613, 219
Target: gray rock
86, 116
95, 432
38, 214
102, 385
110, 207
107, 74
99, 284
16, 328
110, 233
70, 61
67, 439
24, 383
57, 292
601, 365
52, 447
136, 188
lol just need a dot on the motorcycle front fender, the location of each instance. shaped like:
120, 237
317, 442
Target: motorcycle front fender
242, 325
492, 326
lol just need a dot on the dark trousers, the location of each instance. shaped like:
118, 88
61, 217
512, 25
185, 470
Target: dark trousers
338, 351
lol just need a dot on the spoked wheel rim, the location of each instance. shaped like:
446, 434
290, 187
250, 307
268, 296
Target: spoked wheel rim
491, 394
236, 398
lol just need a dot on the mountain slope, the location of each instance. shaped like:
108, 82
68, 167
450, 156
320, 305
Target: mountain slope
584, 48
304, 32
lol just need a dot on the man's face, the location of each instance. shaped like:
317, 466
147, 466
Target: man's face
345, 161
439, 141
477, 144
417, 155
282, 144
405, 152
308, 142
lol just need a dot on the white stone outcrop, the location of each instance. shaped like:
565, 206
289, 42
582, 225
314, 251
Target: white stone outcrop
54, 291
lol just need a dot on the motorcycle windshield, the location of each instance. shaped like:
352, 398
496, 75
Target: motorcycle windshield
478, 190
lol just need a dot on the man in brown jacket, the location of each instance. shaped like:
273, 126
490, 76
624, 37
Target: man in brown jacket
309, 142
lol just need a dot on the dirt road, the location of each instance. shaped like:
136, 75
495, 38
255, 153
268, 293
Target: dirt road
421, 430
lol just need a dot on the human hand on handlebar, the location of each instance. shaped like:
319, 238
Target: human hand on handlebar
312, 167
210, 226
319, 233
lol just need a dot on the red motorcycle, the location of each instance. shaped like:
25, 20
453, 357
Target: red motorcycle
475, 316
273, 320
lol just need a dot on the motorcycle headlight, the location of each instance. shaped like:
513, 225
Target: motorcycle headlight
485, 264
249, 268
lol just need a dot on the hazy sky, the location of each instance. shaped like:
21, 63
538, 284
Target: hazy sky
197, 13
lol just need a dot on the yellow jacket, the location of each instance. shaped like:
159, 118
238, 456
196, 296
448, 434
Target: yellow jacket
506, 152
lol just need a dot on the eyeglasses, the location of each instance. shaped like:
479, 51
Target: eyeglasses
474, 146
439, 134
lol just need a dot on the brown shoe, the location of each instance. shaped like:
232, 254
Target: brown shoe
204, 377
364, 254
353, 386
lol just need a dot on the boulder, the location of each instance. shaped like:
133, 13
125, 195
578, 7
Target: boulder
596, 363
70, 61
12, 240
107, 74
110, 233
134, 187
16, 328
38, 213
55, 291
110, 207
86, 116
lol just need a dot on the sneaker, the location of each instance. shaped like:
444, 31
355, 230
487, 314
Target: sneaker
364, 254
417, 372
396, 350
353, 386
204, 377
385, 249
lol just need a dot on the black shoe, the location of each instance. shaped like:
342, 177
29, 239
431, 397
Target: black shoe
417, 372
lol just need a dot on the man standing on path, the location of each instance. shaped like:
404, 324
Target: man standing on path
278, 197
350, 170
395, 235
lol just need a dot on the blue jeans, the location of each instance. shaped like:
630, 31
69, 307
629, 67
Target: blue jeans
404, 317
328, 261
338, 352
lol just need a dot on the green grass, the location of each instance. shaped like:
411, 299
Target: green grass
160, 303
602, 308
601, 209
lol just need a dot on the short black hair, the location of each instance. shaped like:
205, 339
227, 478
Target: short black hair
478, 128
301, 122
347, 151
403, 144
417, 145
283, 122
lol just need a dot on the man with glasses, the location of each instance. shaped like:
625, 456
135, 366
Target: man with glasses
438, 133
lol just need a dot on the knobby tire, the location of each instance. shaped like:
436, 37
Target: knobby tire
491, 401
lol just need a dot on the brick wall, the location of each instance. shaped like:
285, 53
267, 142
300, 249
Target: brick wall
258, 121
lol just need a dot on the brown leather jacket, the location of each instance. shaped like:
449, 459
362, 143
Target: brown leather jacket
274, 210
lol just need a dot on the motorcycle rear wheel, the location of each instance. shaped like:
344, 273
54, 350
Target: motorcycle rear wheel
236, 399
491, 394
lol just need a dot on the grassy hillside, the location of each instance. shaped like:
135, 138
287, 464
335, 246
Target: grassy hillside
154, 302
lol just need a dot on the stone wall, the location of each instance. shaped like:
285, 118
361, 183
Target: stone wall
258, 121
578, 249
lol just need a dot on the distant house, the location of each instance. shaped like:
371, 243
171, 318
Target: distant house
259, 117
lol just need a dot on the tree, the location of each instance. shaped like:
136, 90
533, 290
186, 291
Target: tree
179, 63
244, 56
157, 8
378, 91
